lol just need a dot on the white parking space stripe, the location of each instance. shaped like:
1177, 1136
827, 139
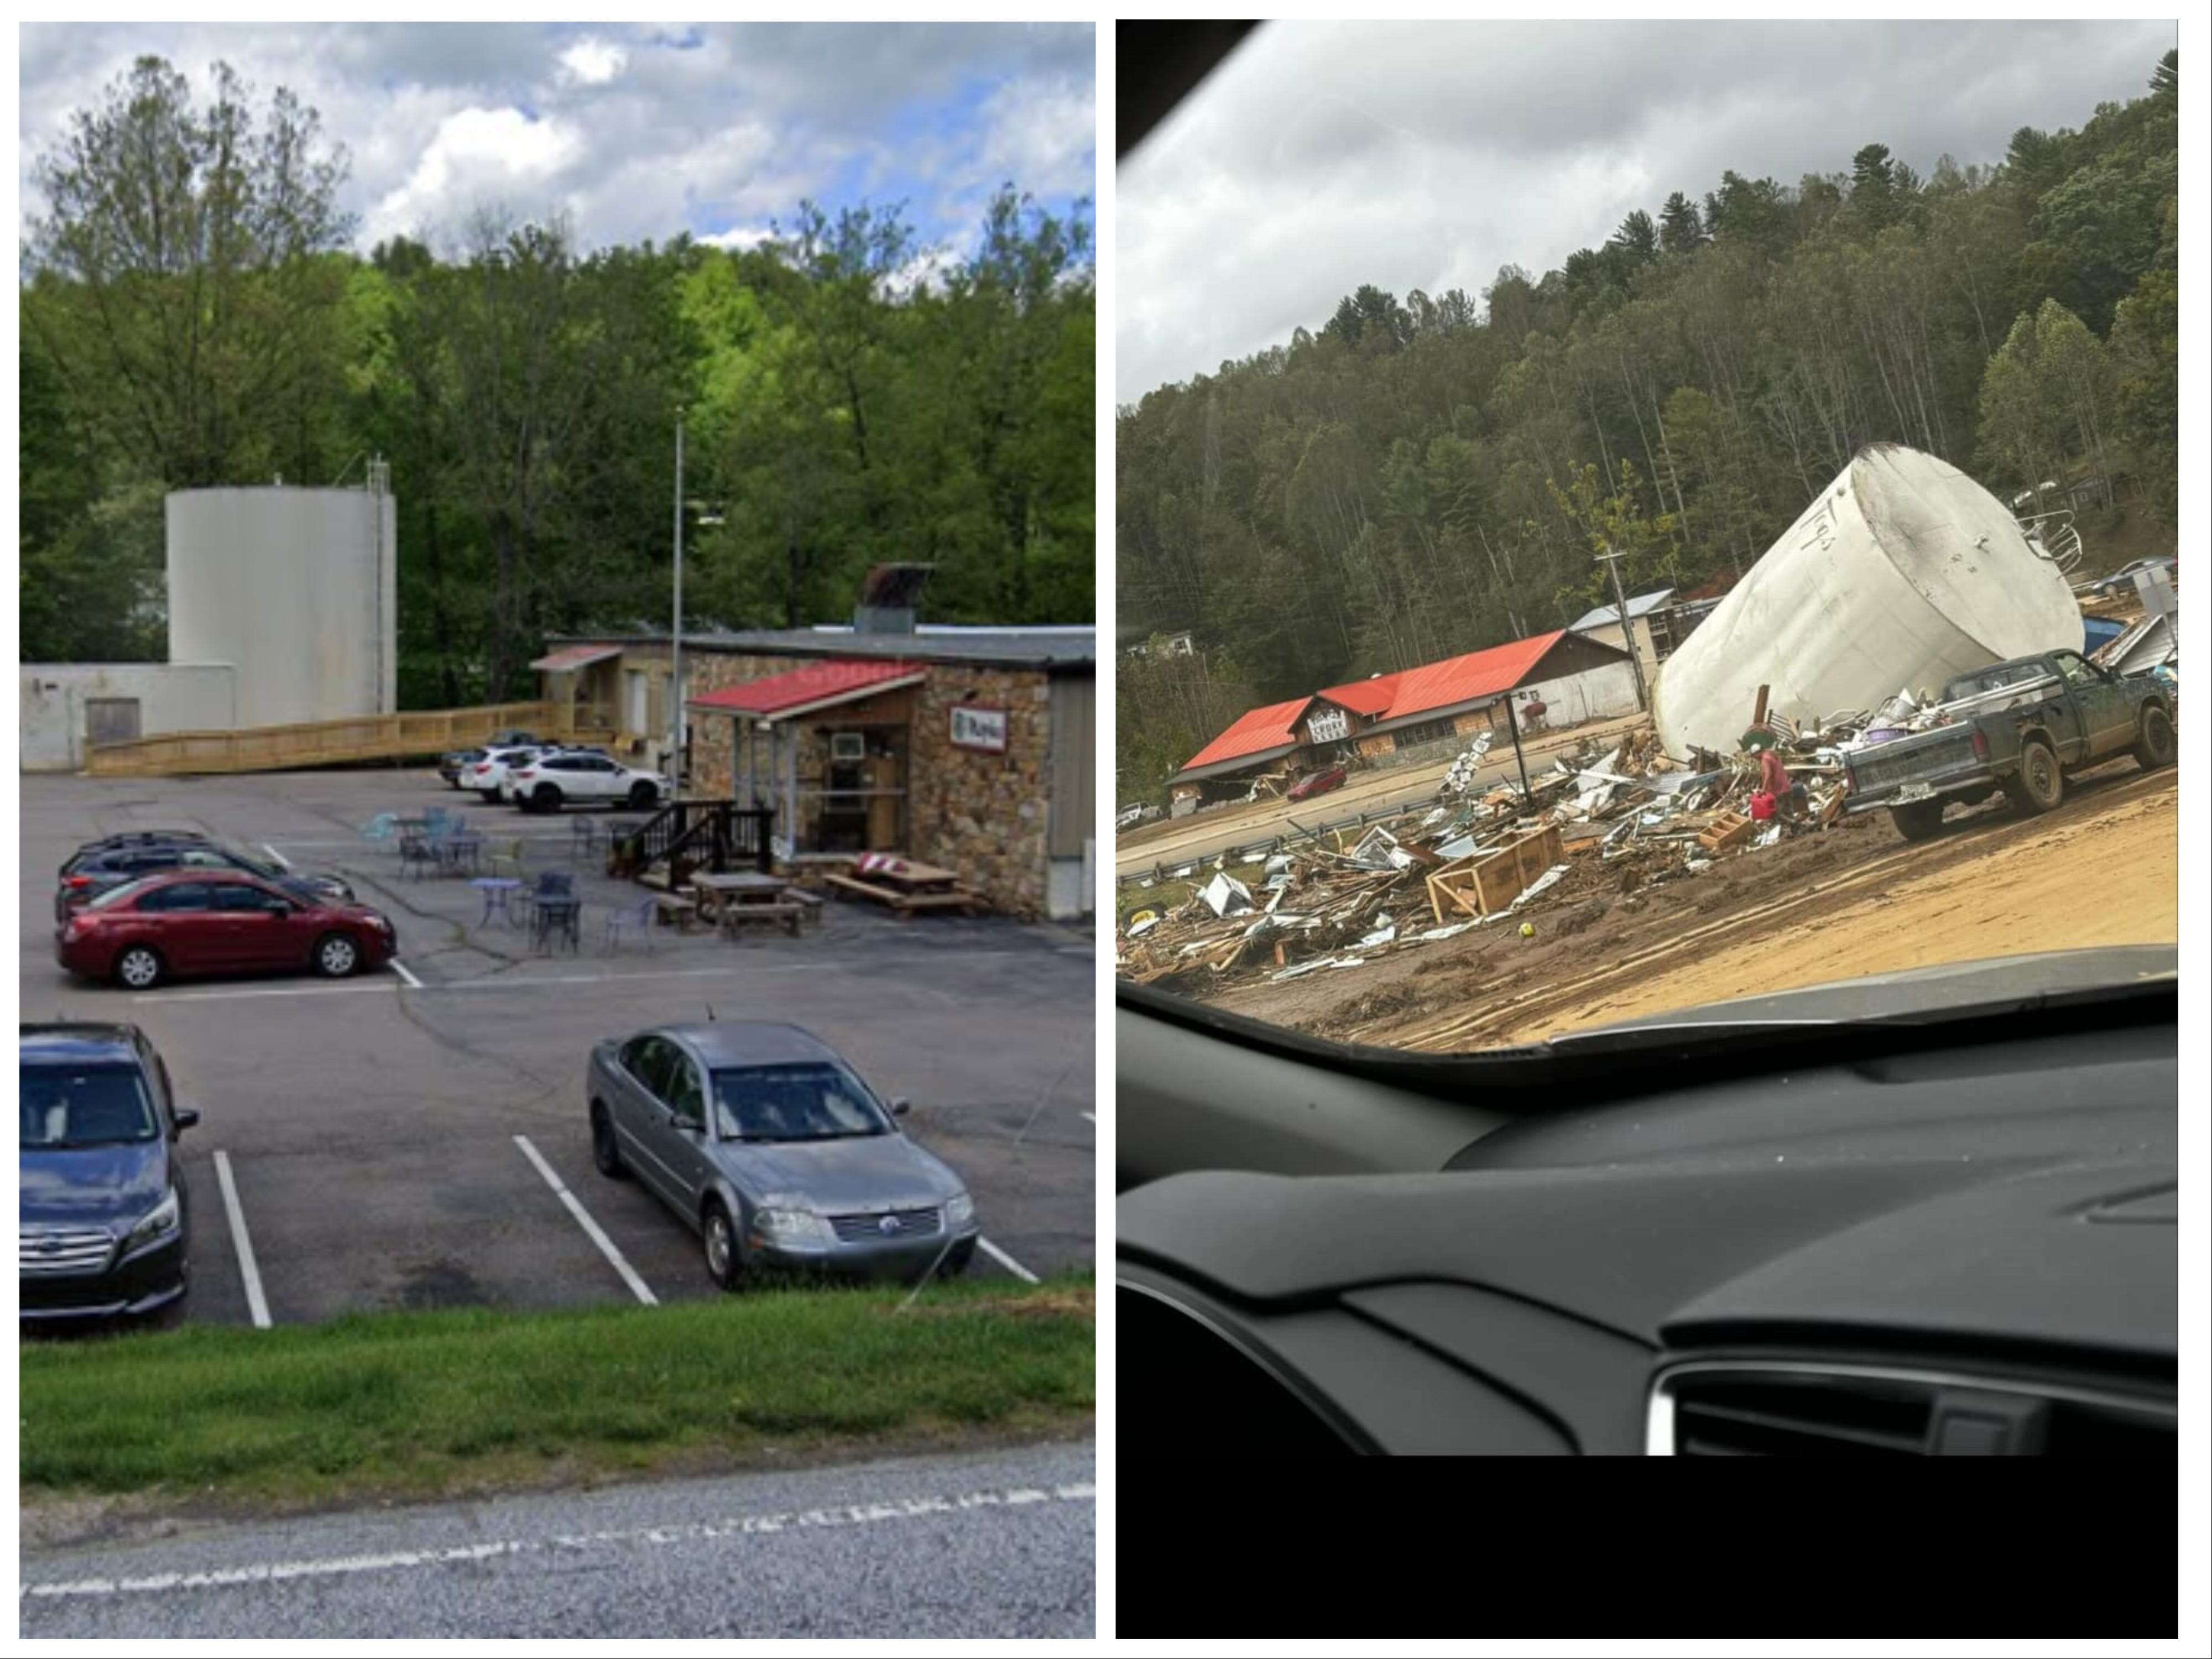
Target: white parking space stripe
590, 1227
1087, 1115
741, 1526
1006, 1262
255, 1303
406, 973
281, 991
274, 853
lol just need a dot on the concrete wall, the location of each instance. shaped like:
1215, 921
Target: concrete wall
297, 589
171, 697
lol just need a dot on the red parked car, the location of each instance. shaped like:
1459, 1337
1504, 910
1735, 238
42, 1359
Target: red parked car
1317, 783
208, 922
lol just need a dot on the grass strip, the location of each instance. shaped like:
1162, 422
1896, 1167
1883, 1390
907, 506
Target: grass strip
417, 1404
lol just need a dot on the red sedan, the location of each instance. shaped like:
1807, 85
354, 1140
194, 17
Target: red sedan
1317, 783
206, 921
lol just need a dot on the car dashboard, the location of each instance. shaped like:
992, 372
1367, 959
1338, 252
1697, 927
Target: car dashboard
1951, 1250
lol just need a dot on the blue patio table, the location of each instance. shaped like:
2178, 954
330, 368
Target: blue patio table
498, 891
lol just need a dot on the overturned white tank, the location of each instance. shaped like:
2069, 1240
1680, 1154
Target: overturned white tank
1903, 572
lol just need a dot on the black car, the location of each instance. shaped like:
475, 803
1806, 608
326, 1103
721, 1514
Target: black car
102, 866
104, 1230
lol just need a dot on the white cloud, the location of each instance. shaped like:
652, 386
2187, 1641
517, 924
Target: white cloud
593, 61
740, 239
478, 155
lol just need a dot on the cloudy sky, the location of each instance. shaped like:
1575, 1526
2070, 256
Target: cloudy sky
1323, 155
638, 130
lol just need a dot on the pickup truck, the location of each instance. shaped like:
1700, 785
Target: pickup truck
2018, 726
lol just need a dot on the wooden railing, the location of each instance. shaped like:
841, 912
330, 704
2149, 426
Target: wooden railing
691, 834
422, 732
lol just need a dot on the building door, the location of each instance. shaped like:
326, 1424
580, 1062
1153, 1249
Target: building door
634, 704
1071, 816
111, 720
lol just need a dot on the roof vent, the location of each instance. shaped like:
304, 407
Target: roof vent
890, 596
1783, 1410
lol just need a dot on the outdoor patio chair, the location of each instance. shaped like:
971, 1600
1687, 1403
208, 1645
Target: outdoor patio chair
381, 827
631, 919
584, 837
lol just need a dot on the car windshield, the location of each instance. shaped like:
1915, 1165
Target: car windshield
84, 1106
807, 1100
1587, 518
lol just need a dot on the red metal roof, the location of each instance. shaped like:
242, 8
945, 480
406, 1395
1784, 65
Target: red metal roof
1369, 697
1461, 680
816, 685
1254, 732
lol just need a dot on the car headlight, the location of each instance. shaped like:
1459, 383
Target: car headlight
960, 1212
793, 1227
157, 1223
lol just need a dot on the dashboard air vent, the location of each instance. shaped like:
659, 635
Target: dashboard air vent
1805, 1410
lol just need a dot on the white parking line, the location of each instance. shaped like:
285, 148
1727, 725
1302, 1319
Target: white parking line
590, 1227
281, 991
406, 973
1006, 1262
256, 1303
1087, 1115
274, 853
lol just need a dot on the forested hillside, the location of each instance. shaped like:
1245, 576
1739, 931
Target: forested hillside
191, 316
1422, 476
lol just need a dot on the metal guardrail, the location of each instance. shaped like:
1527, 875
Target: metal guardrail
324, 743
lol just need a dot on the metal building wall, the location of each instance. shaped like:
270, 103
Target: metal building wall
297, 589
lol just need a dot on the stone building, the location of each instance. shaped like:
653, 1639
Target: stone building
971, 748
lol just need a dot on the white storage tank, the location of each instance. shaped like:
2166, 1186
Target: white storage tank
1903, 572
298, 589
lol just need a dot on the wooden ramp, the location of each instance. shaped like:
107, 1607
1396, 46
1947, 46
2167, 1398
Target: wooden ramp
420, 734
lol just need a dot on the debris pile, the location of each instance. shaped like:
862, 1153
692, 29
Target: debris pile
1479, 853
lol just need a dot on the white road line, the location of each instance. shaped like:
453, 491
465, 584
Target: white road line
740, 1526
274, 853
1086, 1114
590, 1227
406, 973
255, 1304
1006, 1262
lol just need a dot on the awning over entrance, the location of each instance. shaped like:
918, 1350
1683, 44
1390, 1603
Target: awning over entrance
569, 658
804, 690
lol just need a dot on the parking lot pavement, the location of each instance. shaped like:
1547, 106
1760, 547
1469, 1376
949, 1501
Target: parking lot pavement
371, 1124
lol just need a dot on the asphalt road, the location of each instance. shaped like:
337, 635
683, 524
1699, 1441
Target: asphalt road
374, 1127
991, 1546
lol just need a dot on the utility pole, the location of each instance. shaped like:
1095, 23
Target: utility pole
676, 636
1611, 561
1513, 729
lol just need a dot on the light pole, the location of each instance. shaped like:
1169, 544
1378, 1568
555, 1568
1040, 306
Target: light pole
676, 635
1611, 561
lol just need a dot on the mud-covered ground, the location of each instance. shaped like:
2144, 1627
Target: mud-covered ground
1642, 935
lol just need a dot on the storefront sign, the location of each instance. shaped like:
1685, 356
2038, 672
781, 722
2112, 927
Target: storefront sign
979, 728
1328, 725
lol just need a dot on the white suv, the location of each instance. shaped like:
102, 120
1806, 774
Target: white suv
486, 773
559, 777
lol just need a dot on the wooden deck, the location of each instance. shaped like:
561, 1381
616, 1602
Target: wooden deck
419, 734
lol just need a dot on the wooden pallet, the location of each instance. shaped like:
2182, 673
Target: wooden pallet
1488, 881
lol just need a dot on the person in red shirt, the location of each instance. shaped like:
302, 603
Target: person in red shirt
1774, 778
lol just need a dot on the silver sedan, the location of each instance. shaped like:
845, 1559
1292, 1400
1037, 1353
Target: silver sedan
766, 1142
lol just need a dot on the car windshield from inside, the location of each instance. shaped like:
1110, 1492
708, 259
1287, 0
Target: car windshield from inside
805, 1100
1503, 658
69, 1106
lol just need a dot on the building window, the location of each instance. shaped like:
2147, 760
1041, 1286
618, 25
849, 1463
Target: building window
1408, 737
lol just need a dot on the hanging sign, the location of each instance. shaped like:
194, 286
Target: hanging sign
975, 727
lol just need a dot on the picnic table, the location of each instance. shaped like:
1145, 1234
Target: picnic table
730, 901
906, 886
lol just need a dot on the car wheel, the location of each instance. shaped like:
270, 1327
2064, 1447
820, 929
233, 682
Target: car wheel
2154, 740
140, 968
545, 799
642, 795
718, 1236
2039, 786
606, 1153
335, 956
1918, 820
